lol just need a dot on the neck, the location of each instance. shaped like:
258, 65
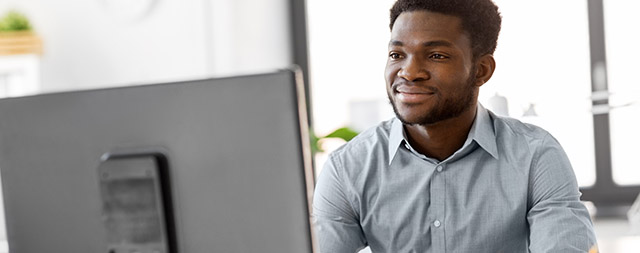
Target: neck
441, 139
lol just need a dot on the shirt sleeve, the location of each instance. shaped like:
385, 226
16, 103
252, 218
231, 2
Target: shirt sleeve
336, 224
558, 221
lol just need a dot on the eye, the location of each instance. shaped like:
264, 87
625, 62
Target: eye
438, 56
395, 56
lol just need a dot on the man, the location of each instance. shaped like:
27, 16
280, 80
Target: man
446, 175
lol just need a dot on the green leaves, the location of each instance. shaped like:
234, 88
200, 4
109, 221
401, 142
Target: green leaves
344, 133
14, 21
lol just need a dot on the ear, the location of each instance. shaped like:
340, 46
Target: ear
484, 69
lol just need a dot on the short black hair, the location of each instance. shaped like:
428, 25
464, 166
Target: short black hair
480, 19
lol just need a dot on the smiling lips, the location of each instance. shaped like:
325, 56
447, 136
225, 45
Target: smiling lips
412, 94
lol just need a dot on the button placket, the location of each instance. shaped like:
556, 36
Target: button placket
437, 208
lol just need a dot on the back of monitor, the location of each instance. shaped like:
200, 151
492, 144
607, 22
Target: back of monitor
237, 174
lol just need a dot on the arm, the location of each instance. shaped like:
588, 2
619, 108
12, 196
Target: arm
558, 221
335, 222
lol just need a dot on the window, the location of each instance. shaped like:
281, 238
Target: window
622, 56
347, 56
543, 71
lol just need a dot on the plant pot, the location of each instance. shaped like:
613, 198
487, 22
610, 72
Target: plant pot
20, 42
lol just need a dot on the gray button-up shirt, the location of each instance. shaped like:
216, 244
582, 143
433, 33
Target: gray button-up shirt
510, 188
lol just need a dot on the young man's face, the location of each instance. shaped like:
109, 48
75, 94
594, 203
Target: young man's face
430, 72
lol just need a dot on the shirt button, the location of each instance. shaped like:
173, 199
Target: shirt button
437, 223
439, 168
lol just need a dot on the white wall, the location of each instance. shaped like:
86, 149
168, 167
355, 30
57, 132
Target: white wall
347, 61
88, 45
249, 35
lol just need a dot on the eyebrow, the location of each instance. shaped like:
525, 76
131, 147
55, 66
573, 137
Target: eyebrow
435, 43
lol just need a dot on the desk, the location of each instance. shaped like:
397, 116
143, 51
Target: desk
614, 236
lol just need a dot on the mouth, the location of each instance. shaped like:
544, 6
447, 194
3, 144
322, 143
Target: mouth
413, 94
413, 98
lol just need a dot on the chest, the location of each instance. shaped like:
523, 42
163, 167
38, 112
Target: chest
417, 204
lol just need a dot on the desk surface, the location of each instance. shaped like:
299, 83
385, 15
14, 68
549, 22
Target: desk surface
614, 236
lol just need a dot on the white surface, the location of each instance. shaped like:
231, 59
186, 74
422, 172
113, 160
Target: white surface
248, 36
347, 54
622, 65
19, 75
545, 62
614, 236
87, 45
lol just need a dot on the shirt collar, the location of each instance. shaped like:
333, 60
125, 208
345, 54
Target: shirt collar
481, 131
396, 137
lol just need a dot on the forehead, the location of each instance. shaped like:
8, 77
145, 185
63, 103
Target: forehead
425, 26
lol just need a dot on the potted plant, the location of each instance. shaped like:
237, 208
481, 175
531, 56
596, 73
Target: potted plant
17, 36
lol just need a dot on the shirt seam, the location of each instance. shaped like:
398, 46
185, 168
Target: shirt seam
534, 164
335, 159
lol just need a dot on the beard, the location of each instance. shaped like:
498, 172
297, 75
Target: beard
448, 108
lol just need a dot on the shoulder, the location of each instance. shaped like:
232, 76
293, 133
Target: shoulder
510, 127
510, 131
520, 141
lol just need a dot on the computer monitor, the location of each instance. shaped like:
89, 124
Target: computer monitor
216, 165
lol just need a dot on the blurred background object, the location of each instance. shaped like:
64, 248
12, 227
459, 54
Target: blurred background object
20, 50
634, 217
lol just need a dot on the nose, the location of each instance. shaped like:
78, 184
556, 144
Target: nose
413, 70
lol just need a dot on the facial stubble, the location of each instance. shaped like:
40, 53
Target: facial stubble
448, 108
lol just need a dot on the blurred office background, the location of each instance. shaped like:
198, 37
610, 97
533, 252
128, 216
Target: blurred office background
568, 66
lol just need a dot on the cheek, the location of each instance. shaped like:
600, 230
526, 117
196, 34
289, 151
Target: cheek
453, 80
389, 74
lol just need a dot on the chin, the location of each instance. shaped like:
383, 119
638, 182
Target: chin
413, 118
413, 114
423, 121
